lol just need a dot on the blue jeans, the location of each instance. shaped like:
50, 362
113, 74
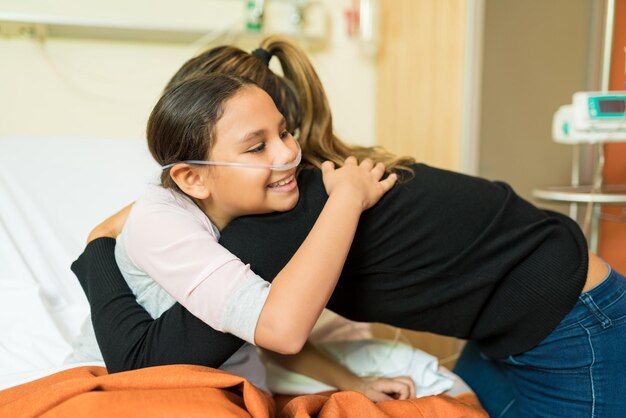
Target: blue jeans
579, 370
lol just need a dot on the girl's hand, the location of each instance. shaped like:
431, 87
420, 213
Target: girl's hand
387, 388
112, 226
362, 180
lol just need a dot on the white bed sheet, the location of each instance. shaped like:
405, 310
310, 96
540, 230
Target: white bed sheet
52, 192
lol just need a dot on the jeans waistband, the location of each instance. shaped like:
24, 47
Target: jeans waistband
613, 285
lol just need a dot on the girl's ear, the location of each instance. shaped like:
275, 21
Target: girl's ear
192, 181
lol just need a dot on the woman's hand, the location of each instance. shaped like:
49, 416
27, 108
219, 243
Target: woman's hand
386, 388
112, 226
362, 180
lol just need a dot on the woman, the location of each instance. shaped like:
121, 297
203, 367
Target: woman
441, 252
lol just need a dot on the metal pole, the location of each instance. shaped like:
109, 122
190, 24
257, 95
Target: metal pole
607, 49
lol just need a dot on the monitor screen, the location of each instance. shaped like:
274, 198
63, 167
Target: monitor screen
612, 106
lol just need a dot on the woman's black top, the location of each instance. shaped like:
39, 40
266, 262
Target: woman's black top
442, 252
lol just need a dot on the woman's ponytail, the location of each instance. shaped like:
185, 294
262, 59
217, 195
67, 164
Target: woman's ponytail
316, 135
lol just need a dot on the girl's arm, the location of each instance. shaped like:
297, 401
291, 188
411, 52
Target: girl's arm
174, 245
315, 364
301, 290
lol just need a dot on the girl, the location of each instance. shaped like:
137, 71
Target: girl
445, 253
252, 159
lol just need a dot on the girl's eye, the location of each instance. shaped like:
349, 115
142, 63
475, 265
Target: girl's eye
285, 134
258, 148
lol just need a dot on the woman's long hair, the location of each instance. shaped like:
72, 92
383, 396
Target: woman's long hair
298, 95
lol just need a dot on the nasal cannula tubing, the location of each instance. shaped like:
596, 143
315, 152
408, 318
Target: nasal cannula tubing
274, 167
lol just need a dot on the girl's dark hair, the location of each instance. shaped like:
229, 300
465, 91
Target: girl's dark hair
231, 60
182, 124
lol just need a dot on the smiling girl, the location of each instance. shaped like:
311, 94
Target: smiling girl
226, 152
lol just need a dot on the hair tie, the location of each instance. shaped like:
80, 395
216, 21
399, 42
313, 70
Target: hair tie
263, 54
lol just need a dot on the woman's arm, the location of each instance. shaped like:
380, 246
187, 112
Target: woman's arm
315, 364
127, 335
112, 226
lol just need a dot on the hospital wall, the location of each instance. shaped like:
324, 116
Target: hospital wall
99, 88
422, 69
535, 56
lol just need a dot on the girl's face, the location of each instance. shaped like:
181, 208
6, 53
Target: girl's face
251, 130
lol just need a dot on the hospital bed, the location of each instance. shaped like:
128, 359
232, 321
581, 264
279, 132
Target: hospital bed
53, 190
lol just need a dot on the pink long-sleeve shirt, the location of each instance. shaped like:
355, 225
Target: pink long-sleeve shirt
169, 245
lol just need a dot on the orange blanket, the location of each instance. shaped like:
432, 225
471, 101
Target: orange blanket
183, 390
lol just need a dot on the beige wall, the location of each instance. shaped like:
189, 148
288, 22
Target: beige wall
535, 57
107, 89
